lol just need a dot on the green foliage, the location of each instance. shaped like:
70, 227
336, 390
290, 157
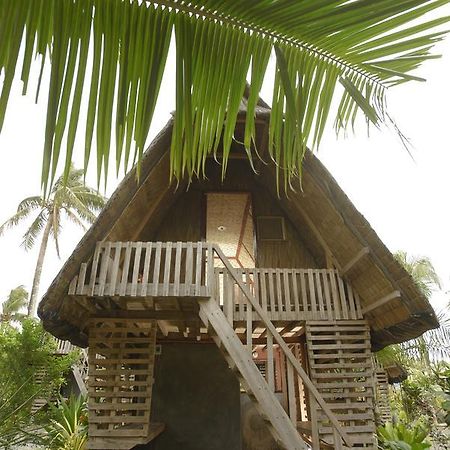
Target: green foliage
323, 50
26, 356
403, 437
69, 425
12, 306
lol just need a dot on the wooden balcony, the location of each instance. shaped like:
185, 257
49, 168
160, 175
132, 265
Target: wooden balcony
141, 271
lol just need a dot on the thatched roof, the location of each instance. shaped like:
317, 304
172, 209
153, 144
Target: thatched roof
396, 309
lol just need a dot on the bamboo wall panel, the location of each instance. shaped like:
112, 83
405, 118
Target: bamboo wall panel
289, 294
121, 361
382, 396
340, 362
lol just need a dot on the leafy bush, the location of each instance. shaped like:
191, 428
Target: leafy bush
29, 369
402, 437
69, 425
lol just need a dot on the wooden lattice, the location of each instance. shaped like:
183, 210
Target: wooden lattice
121, 360
382, 395
341, 368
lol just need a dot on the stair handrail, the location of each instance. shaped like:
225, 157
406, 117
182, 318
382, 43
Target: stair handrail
280, 341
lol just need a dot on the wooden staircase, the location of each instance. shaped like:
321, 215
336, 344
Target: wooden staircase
282, 423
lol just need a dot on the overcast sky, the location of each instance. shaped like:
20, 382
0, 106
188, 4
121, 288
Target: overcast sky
406, 201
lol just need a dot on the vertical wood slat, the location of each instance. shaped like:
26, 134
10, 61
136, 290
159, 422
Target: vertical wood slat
210, 281
295, 293
249, 329
115, 269
198, 268
304, 305
327, 293
312, 292
263, 290
287, 293
145, 275
98, 248
271, 276
279, 294
335, 295
126, 268
176, 280
228, 287
189, 263
291, 392
167, 267
157, 268
320, 301
342, 297
81, 279
104, 268
136, 266
270, 365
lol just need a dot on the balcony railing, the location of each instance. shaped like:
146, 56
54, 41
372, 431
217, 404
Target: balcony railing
186, 269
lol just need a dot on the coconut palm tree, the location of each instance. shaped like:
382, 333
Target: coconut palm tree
327, 51
11, 307
69, 198
434, 342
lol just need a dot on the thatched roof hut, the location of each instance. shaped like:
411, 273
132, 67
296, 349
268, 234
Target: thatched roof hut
321, 211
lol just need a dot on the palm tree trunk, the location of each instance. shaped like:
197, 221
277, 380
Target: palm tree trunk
32, 306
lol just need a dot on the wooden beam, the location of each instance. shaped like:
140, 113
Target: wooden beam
354, 261
382, 301
147, 314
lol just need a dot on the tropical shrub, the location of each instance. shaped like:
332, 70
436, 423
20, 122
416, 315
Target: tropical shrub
403, 437
69, 424
29, 369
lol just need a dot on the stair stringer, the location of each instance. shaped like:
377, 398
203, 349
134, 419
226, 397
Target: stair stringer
238, 356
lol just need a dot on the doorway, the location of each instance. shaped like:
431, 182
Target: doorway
229, 223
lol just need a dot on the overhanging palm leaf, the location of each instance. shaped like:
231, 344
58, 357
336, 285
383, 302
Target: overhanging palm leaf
362, 46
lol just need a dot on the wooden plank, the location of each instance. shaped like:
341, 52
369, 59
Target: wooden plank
263, 290
145, 275
291, 393
115, 269
167, 267
335, 296
210, 280
270, 365
249, 329
312, 293
320, 300
81, 279
157, 269
343, 297
136, 266
98, 248
382, 301
326, 284
177, 269
355, 260
279, 293
198, 268
287, 294
189, 263
304, 303
271, 276
295, 293
126, 266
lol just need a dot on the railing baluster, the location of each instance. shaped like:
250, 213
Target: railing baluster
270, 365
351, 301
291, 393
147, 262
104, 268
136, 266
198, 268
189, 262
312, 293
167, 267
209, 280
263, 290
304, 304
342, 296
320, 300
98, 249
335, 296
326, 283
287, 293
156, 269
176, 279
271, 275
295, 292
126, 268
281, 307
81, 279
115, 269
249, 329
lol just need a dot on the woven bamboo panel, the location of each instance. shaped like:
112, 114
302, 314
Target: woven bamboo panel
121, 360
382, 395
341, 369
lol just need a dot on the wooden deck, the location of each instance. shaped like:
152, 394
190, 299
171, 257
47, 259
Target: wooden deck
164, 276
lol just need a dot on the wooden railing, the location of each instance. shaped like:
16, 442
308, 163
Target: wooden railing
254, 310
289, 294
64, 347
145, 269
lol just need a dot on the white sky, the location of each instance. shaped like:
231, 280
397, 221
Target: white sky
406, 202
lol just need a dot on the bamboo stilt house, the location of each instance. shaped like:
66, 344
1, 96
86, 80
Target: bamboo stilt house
219, 315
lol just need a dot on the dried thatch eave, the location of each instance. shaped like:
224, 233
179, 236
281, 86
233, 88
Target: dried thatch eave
398, 320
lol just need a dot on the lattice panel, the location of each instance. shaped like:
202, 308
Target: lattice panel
382, 395
341, 368
121, 360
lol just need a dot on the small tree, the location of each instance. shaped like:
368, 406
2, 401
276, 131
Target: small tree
29, 369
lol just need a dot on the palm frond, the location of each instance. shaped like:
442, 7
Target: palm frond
365, 46
15, 220
17, 299
30, 236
